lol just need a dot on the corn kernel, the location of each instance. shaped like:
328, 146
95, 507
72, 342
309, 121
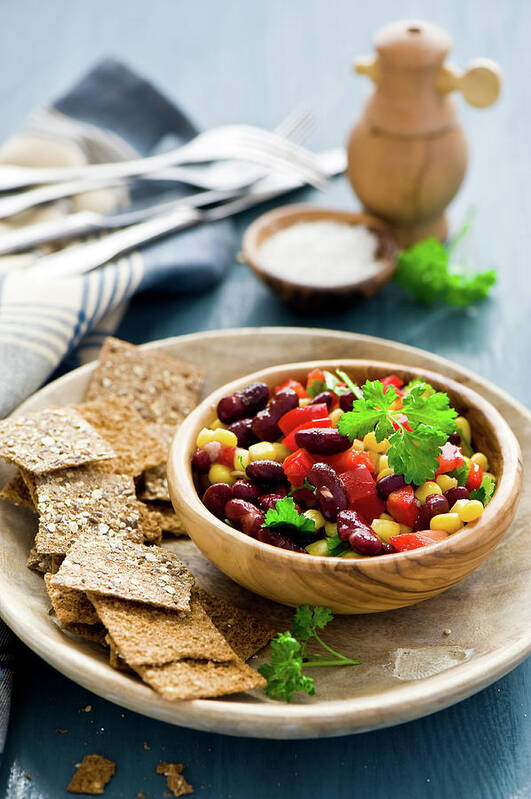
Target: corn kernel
449, 522
375, 460
384, 462
205, 436
370, 443
318, 547
386, 516
335, 416
425, 490
352, 554
263, 451
330, 529
469, 509
357, 444
241, 459
446, 483
458, 506
225, 437
384, 529
316, 516
404, 528
481, 459
383, 472
281, 452
237, 474
304, 401
218, 473
217, 424
462, 427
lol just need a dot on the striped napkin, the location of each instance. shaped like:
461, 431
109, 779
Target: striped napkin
111, 114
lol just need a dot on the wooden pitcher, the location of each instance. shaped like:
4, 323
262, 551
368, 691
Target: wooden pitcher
407, 154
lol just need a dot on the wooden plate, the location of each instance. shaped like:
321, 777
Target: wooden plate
409, 667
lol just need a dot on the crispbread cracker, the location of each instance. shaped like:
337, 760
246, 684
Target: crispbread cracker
200, 679
115, 566
92, 632
245, 633
150, 522
116, 661
54, 438
82, 500
43, 564
70, 606
92, 775
174, 778
147, 635
16, 492
165, 517
156, 484
162, 389
128, 434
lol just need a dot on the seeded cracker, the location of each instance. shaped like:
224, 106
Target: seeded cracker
43, 564
155, 478
200, 679
162, 389
51, 439
116, 661
71, 607
153, 636
92, 775
174, 778
17, 493
165, 517
114, 566
244, 632
75, 501
150, 522
92, 632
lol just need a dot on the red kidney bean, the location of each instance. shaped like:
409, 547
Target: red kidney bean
242, 403
361, 537
268, 536
266, 472
322, 441
265, 425
329, 492
422, 521
243, 430
243, 489
201, 461
387, 548
455, 438
454, 494
216, 497
437, 503
346, 400
324, 396
269, 501
388, 484
245, 516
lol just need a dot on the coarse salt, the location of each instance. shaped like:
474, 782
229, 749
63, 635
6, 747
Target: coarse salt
322, 253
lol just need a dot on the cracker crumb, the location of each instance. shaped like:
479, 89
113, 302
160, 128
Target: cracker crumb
86, 709
147, 747
174, 778
92, 775
61, 730
447, 631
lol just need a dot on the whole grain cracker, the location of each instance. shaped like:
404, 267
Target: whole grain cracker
174, 778
156, 484
116, 661
200, 679
92, 775
163, 514
92, 632
244, 632
128, 434
53, 438
118, 567
16, 492
43, 563
150, 522
146, 635
70, 606
75, 501
162, 389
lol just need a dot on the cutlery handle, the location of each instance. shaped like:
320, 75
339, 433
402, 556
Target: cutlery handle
83, 257
66, 227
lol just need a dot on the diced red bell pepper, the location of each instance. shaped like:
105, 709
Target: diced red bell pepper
226, 456
346, 461
423, 538
315, 374
370, 508
290, 442
305, 496
403, 506
297, 387
298, 416
297, 466
401, 419
475, 476
392, 380
358, 484
450, 458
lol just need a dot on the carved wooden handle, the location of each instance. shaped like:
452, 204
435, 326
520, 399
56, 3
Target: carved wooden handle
480, 84
369, 66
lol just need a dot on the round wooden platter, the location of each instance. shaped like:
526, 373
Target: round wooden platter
410, 668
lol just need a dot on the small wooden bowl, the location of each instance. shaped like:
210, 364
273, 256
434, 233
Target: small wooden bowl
349, 585
306, 297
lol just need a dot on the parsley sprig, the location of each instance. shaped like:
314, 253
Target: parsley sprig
289, 654
285, 513
486, 490
412, 453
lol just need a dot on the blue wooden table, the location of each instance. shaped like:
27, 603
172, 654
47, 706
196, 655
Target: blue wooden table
253, 62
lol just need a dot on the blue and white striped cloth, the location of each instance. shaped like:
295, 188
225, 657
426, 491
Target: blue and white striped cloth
111, 114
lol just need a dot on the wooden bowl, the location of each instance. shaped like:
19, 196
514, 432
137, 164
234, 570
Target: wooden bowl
308, 297
350, 585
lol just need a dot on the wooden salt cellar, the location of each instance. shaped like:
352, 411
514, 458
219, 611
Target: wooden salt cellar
407, 154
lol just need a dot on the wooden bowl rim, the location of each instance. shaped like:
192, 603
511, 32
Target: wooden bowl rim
183, 488
297, 212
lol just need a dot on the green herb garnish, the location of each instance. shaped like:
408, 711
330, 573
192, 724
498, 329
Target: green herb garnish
424, 270
289, 656
427, 387
336, 546
242, 464
306, 485
330, 383
460, 474
411, 453
285, 513
486, 490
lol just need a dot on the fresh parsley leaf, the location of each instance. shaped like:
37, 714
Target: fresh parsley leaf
464, 289
315, 388
414, 455
284, 513
306, 485
330, 383
307, 621
486, 490
336, 546
284, 674
369, 413
460, 474
428, 389
432, 410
